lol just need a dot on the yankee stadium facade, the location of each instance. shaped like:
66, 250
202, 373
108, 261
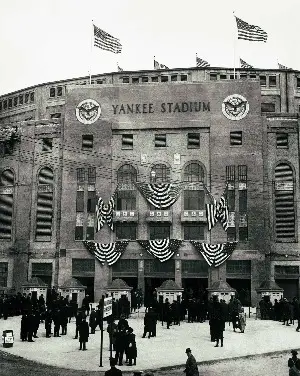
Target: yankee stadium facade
185, 174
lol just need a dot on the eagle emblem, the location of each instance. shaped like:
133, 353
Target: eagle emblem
235, 107
88, 111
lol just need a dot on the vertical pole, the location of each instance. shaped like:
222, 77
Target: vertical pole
234, 48
101, 338
92, 39
110, 337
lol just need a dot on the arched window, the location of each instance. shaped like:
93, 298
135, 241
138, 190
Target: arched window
126, 197
160, 173
284, 203
6, 203
44, 212
193, 194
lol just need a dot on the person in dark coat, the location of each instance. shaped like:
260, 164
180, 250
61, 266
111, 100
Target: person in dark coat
191, 368
48, 323
112, 329
147, 324
217, 321
56, 322
293, 359
131, 348
31, 325
167, 313
123, 323
83, 334
121, 339
93, 321
36, 323
86, 304
64, 312
79, 316
113, 371
24, 327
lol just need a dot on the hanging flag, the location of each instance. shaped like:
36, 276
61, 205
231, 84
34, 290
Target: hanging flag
104, 213
109, 252
280, 66
162, 249
161, 195
200, 63
215, 254
119, 68
106, 41
157, 65
244, 64
250, 32
217, 212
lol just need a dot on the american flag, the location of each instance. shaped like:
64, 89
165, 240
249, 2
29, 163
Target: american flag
119, 68
217, 212
200, 63
244, 64
280, 66
104, 212
109, 252
162, 249
215, 254
161, 195
106, 41
157, 65
250, 32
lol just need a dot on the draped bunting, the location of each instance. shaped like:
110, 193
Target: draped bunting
161, 195
104, 213
109, 252
215, 254
162, 249
217, 211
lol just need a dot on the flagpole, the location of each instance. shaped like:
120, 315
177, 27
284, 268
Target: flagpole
234, 48
92, 39
153, 62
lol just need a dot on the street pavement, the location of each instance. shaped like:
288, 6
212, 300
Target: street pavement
166, 350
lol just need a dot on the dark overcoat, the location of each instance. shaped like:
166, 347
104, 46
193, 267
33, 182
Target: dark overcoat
83, 331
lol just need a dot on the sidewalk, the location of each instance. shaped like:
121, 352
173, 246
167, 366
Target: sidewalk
165, 350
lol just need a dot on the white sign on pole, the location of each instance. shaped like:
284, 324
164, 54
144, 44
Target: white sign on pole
107, 308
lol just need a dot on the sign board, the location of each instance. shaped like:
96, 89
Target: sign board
107, 307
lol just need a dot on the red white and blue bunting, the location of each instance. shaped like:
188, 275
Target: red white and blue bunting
217, 212
109, 252
215, 254
104, 213
162, 249
161, 195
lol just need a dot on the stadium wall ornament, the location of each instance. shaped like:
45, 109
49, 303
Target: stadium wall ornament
88, 111
235, 107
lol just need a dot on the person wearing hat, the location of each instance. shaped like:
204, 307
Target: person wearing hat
191, 368
113, 371
295, 369
293, 359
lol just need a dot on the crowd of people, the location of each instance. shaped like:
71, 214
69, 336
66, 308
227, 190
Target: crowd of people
283, 310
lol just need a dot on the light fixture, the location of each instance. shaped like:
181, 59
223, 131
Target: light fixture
141, 254
153, 174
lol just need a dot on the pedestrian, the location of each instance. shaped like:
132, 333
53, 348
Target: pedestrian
293, 359
56, 322
48, 323
120, 345
191, 368
113, 371
295, 369
93, 321
131, 348
83, 334
31, 326
147, 324
79, 316
24, 327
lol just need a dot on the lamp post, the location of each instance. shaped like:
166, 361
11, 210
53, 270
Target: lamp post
153, 175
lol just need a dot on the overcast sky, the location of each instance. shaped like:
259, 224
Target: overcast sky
48, 40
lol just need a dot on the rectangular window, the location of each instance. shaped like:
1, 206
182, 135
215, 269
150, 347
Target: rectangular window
127, 141
183, 77
223, 76
193, 232
253, 76
5, 104
44, 216
79, 226
243, 76
91, 199
282, 140
26, 97
99, 82
154, 79
10, 103
272, 81
198, 267
268, 107
159, 231
231, 199
243, 234
80, 175
126, 231
126, 200
242, 173
3, 274
298, 82
52, 92
80, 199
230, 173
59, 91
42, 270
238, 267
83, 267
263, 80
21, 99
231, 234
32, 96
90, 228
193, 140
194, 200
15, 101
0, 106
145, 79
160, 140
243, 200
47, 144
174, 77
87, 141
213, 76
164, 78
92, 175
236, 138
127, 266
6, 215
135, 80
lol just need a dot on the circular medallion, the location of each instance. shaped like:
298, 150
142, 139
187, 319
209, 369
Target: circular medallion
235, 107
88, 111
